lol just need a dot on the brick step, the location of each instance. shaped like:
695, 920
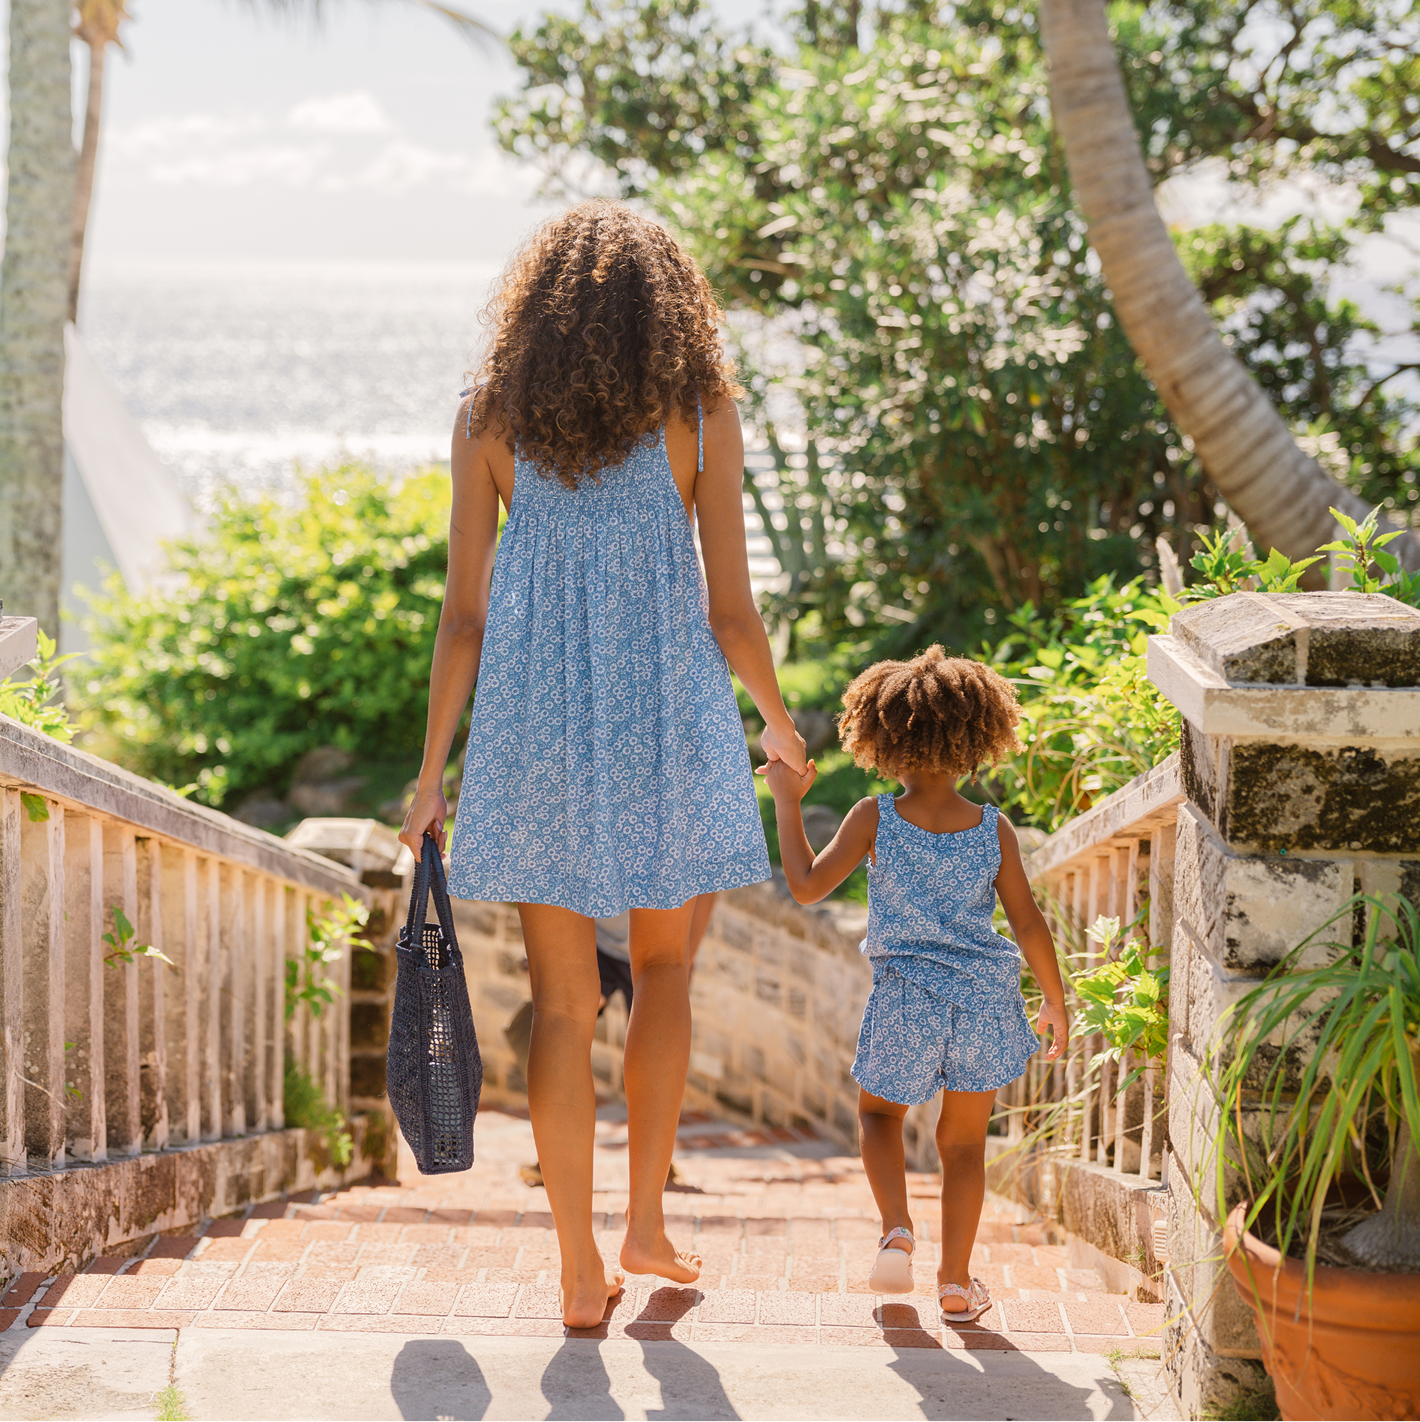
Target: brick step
787, 1234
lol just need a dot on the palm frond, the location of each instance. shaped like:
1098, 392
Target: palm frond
471, 26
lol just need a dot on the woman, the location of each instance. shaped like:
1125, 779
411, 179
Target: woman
606, 767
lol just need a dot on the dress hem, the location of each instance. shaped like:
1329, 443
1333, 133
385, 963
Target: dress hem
730, 877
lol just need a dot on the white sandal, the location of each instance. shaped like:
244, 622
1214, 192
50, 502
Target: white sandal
892, 1271
978, 1300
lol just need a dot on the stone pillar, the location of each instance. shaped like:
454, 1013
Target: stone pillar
1301, 760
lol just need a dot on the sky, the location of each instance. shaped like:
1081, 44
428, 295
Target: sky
233, 135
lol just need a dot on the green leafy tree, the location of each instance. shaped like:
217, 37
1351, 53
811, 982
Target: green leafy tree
984, 435
291, 627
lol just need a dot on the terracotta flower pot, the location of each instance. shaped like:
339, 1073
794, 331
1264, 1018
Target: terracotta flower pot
1354, 1352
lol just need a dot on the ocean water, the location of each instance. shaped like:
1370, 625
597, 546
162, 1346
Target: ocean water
240, 376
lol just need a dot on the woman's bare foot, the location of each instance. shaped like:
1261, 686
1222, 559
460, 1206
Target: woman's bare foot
586, 1307
657, 1255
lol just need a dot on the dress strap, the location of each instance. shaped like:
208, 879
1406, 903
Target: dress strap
699, 436
468, 423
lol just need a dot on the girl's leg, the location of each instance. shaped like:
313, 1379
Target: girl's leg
562, 967
653, 1069
961, 1143
880, 1128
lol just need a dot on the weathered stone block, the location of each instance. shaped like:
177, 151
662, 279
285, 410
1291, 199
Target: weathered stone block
1206, 1383
1305, 639
1248, 912
1299, 797
1268, 797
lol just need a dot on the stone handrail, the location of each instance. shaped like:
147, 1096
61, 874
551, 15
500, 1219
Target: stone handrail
104, 1058
1098, 864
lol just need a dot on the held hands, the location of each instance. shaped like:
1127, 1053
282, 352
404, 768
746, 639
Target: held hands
1054, 1016
787, 745
786, 783
428, 812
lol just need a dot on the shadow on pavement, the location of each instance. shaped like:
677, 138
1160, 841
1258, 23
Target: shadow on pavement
438, 1377
576, 1384
1027, 1390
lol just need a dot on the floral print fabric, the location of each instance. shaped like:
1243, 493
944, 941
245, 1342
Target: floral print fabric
946, 1008
606, 766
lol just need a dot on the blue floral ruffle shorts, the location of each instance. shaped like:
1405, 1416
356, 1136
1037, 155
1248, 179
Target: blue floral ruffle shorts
914, 1043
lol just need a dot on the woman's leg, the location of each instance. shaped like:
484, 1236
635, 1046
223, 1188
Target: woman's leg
961, 1143
562, 967
884, 1161
653, 1069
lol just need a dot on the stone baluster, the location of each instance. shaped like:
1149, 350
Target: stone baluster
152, 999
280, 935
185, 944
233, 979
260, 1002
42, 911
210, 875
12, 977
86, 1126
121, 997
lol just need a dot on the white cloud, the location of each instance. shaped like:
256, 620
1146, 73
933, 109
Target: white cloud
337, 146
288, 165
340, 113
175, 132
400, 165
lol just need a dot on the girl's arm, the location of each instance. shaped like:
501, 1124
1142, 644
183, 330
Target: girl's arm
1032, 937
734, 619
812, 876
473, 539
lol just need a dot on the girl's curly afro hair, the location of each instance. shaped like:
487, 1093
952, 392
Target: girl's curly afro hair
933, 713
603, 326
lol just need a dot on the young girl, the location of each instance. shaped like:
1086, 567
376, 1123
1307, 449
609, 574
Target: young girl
606, 767
946, 1012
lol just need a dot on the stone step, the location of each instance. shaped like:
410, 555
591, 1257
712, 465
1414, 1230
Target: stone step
787, 1233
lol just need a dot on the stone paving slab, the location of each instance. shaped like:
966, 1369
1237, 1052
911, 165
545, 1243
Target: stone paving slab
465, 1267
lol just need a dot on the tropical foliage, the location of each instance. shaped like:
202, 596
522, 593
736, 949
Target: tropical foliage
33, 700
291, 627
983, 435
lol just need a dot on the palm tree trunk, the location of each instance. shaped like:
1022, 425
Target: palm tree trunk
1282, 494
34, 287
84, 177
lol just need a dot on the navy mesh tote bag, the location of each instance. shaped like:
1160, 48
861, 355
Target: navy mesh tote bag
434, 1070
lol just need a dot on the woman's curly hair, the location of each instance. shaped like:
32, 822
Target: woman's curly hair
933, 713
602, 325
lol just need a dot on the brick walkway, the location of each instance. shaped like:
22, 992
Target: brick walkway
787, 1233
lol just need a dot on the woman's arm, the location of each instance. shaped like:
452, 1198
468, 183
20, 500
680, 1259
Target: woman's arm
1032, 937
734, 619
473, 539
812, 876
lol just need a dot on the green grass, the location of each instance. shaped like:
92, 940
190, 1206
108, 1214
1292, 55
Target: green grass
1259, 1406
171, 1405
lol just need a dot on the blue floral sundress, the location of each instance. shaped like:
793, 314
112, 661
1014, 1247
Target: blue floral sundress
606, 767
946, 1008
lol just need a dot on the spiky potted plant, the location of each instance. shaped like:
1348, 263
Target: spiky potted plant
1316, 1075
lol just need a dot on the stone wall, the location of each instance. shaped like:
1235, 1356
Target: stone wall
777, 997
1299, 759
63, 1219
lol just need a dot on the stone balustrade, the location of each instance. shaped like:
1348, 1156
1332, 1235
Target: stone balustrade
106, 1060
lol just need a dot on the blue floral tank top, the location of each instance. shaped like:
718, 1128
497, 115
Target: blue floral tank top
931, 898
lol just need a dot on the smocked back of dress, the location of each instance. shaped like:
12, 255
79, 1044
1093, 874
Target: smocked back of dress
606, 767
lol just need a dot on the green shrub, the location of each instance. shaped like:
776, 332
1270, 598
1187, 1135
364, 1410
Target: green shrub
305, 1104
290, 626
